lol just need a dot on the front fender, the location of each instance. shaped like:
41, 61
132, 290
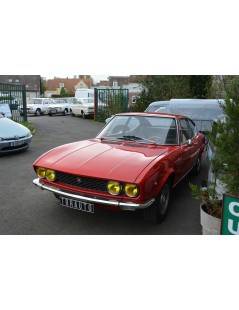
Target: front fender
155, 182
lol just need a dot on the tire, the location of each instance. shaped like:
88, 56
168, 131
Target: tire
83, 114
65, 112
72, 114
157, 212
50, 114
197, 167
38, 112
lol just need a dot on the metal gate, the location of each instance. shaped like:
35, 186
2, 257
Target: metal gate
110, 101
13, 101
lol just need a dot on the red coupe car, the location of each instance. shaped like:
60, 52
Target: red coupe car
132, 164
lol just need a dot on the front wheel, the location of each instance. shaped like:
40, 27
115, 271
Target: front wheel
157, 212
83, 114
65, 112
38, 112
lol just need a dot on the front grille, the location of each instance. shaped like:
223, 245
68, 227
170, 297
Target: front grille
12, 138
82, 182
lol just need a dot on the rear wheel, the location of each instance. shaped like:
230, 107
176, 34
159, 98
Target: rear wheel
157, 212
197, 167
83, 114
65, 112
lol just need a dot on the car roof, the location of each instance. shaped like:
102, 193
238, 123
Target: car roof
153, 114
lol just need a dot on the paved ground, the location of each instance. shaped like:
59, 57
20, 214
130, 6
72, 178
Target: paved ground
25, 209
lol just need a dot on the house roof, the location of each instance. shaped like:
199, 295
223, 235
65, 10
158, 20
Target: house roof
69, 84
32, 82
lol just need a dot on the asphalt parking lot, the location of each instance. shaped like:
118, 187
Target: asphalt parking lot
26, 210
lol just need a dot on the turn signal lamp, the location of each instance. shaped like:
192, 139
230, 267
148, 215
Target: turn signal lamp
114, 188
50, 175
131, 190
41, 172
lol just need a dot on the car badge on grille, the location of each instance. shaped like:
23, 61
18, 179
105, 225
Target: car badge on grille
16, 137
78, 179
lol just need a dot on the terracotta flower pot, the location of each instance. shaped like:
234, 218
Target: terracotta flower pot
210, 225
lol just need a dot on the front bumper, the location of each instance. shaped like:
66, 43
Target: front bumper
12, 146
122, 205
55, 110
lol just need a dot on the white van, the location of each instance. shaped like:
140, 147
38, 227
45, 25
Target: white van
202, 111
84, 93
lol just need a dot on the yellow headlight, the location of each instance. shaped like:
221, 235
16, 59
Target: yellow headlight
114, 188
41, 172
50, 175
131, 190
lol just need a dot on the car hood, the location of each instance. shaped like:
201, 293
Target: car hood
123, 161
9, 129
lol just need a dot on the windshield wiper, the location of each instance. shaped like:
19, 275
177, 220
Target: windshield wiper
136, 138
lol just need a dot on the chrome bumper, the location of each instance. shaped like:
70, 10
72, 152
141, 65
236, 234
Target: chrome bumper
122, 205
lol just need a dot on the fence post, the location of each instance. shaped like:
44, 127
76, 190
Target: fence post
24, 101
95, 104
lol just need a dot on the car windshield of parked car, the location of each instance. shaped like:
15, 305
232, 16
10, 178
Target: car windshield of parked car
60, 101
141, 129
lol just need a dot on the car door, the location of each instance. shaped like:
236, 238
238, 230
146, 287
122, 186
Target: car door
188, 143
45, 105
76, 107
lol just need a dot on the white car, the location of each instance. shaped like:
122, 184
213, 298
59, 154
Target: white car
60, 106
83, 107
14, 137
38, 106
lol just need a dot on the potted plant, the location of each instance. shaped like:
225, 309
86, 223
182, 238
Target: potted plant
210, 207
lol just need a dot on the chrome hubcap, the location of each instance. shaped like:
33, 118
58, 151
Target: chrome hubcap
164, 199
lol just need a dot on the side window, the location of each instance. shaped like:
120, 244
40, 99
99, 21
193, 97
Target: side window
186, 131
193, 128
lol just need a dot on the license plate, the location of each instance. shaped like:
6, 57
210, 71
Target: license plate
53, 111
78, 205
17, 143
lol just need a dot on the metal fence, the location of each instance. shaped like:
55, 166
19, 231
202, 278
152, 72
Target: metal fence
13, 101
109, 102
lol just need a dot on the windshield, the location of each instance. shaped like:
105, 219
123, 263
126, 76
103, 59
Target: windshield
61, 101
143, 129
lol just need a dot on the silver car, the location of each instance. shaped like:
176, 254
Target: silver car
14, 137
